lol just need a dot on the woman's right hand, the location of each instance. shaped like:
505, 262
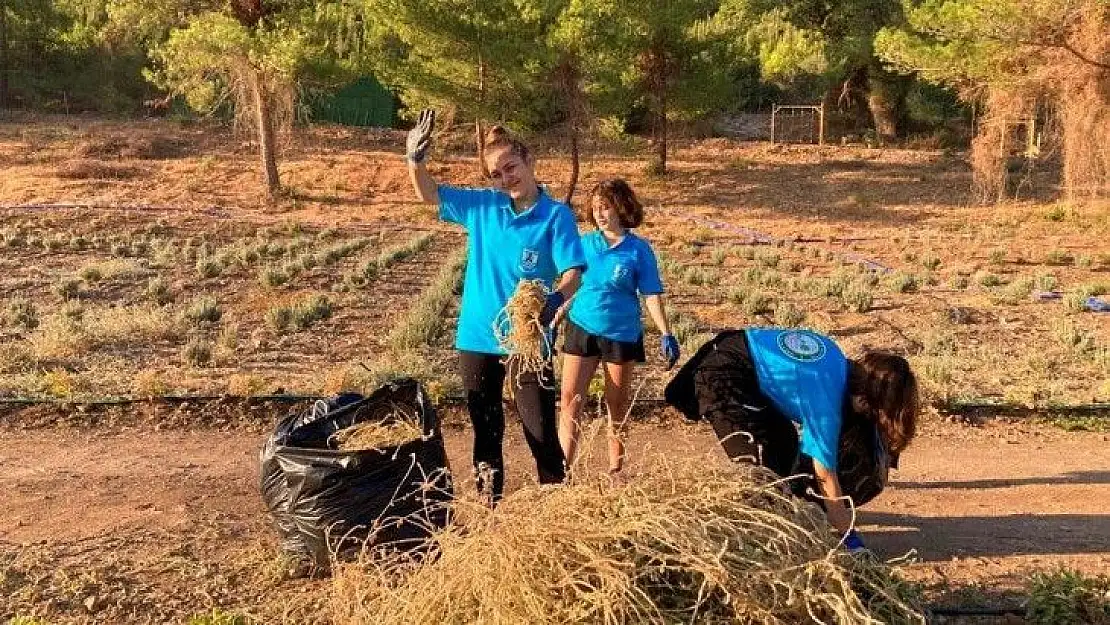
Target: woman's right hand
420, 137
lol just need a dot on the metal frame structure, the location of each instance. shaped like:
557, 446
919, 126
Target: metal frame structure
817, 108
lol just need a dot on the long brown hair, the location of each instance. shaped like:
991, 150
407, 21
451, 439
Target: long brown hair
883, 387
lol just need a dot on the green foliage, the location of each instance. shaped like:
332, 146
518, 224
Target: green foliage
1065, 597
203, 310
974, 42
22, 312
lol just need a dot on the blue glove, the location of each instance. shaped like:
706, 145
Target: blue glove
668, 349
853, 543
551, 306
420, 137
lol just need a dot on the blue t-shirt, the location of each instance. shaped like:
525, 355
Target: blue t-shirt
607, 303
805, 375
504, 248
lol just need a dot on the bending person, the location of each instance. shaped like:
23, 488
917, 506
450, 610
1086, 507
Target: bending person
755, 386
515, 232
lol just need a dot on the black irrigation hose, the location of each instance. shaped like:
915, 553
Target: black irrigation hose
931, 611
1017, 409
449, 400
452, 400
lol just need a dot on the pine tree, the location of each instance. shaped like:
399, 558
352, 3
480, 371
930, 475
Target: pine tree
254, 53
1018, 57
663, 54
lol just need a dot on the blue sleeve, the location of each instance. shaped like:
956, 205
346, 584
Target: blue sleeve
566, 244
648, 281
821, 435
456, 204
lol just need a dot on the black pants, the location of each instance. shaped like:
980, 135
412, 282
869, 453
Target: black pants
719, 384
483, 377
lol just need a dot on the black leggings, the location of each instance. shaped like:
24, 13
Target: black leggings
720, 384
483, 377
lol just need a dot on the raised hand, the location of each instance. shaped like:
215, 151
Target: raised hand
420, 137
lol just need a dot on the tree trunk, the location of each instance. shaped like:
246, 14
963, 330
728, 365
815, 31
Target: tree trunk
886, 99
479, 130
662, 147
266, 136
657, 68
574, 162
568, 82
3, 54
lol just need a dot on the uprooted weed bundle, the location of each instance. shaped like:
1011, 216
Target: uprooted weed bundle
676, 544
524, 339
368, 435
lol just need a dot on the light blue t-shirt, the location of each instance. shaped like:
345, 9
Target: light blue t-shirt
504, 248
805, 376
608, 304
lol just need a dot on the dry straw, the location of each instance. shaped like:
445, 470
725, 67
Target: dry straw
371, 435
524, 339
677, 543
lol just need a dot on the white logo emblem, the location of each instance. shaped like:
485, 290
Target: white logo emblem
528, 260
801, 346
620, 273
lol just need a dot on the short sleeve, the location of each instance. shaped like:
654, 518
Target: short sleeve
566, 244
456, 203
821, 438
648, 281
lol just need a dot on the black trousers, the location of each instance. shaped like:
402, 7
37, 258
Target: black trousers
483, 378
719, 384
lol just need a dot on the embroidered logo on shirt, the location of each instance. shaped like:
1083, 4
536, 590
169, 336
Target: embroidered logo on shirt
621, 273
528, 260
801, 346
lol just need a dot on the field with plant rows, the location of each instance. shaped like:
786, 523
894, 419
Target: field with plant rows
147, 289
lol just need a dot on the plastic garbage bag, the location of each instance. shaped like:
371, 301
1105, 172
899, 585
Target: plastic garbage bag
326, 502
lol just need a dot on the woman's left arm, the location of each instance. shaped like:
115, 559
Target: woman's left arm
658, 314
829, 485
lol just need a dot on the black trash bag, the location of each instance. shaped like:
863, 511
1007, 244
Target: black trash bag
326, 502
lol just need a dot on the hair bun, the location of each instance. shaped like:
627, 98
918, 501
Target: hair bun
497, 133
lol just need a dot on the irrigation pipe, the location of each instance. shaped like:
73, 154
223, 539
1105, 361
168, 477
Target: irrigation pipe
458, 400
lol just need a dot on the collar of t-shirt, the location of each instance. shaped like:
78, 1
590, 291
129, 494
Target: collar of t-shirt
603, 244
541, 195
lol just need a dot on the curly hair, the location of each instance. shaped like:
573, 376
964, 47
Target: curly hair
617, 194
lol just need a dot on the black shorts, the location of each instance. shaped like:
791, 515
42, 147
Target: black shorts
578, 342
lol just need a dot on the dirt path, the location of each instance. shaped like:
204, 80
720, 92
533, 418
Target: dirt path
981, 506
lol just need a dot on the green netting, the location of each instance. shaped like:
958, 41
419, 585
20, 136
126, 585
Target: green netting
364, 102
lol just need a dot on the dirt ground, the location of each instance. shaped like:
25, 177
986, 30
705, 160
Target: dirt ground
136, 513
137, 525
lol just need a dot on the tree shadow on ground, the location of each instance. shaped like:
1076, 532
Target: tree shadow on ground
844, 189
941, 538
1073, 477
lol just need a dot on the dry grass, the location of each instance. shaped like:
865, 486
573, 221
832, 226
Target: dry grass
678, 543
62, 338
519, 331
377, 435
96, 170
